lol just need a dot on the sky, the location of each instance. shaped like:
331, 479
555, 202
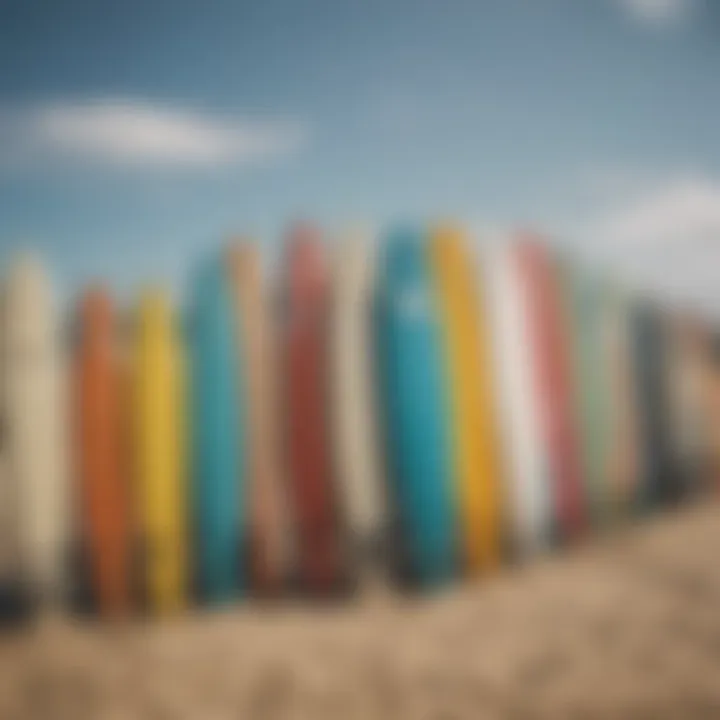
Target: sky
137, 136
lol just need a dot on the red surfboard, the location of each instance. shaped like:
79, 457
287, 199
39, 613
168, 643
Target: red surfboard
104, 502
307, 409
553, 383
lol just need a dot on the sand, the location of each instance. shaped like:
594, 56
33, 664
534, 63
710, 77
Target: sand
626, 626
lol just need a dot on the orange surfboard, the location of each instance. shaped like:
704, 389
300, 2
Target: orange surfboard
103, 487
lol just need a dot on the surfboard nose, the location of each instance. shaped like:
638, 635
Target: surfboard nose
402, 260
305, 260
448, 247
154, 309
28, 301
243, 258
96, 312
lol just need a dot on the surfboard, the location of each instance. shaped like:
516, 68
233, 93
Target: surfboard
474, 440
360, 481
657, 485
160, 438
268, 520
668, 337
553, 378
312, 478
414, 404
675, 392
524, 456
104, 487
624, 451
583, 307
219, 478
36, 429
712, 392
14, 602
700, 392
685, 391
11, 601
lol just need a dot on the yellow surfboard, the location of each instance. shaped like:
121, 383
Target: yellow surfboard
160, 450
469, 374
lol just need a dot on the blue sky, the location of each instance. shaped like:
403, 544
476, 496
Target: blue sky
134, 136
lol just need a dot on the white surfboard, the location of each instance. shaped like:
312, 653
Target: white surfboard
355, 420
34, 389
528, 493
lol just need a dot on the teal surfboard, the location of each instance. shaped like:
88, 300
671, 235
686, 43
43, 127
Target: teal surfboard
413, 402
219, 498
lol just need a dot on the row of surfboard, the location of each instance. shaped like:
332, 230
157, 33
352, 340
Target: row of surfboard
418, 412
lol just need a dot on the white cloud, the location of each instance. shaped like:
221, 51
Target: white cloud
135, 133
658, 12
667, 238
686, 211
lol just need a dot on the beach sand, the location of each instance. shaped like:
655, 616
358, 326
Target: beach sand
626, 626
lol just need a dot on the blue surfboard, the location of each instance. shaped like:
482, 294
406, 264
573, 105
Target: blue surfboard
216, 424
414, 406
